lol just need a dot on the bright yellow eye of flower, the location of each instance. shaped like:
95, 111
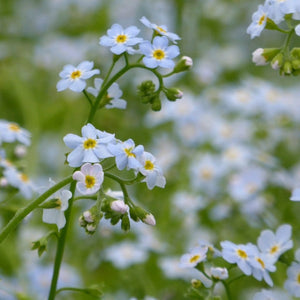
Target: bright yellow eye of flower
160, 29
121, 38
242, 254
261, 20
194, 258
149, 165
129, 153
24, 177
75, 74
261, 263
158, 54
14, 127
89, 144
89, 181
274, 249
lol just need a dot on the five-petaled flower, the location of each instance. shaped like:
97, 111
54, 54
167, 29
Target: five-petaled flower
74, 77
159, 54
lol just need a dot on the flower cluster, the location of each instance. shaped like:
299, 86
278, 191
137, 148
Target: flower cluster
12, 177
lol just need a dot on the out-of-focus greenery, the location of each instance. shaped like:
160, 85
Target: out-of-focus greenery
39, 37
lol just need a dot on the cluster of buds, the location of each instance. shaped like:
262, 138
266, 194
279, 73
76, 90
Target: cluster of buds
90, 219
286, 63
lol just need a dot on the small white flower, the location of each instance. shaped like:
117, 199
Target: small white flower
195, 256
90, 178
11, 132
149, 219
113, 94
161, 29
126, 154
56, 215
159, 54
219, 273
74, 77
292, 284
121, 40
91, 147
258, 58
275, 244
259, 21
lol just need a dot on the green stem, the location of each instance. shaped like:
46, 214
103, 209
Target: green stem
227, 290
234, 279
287, 41
85, 197
61, 245
23, 212
109, 71
88, 98
106, 86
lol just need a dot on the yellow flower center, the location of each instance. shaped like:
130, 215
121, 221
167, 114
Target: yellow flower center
242, 254
274, 249
160, 29
298, 278
75, 74
129, 153
158, 54
121, 38
261, 20
89, 144
90, 181
14, 127
24, 177
194, 258
261, 262
206, 174
58, 203
149, 165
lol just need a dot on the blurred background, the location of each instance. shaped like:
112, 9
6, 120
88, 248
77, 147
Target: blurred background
229, 148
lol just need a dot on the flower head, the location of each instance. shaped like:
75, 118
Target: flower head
195, 256
11, 132
161, 29
159, 54
56, 215
121, 40
90, 178
91, 147
74, 77
292, 284
259, 21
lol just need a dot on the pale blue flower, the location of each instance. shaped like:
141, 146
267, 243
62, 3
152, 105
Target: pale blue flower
11, 132
159, 54
259, 21
193, 258
126, 154
121, 40
113, 94
161, 29
74, 77
292, 284
91, 147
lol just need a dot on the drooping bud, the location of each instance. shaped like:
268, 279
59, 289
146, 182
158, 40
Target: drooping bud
287, 68
173, 94
87, 216
184, 64
90, 219
156, 104
149, 219
262, 56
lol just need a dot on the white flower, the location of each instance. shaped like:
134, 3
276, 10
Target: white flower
195, 256
161, 29
113, 94
56, 215
126, 154
239, 254
90, 178
259, 21
20, 181
258, 58
121, 40
159, 54
11, 132
91, 147
149, 220
153, 173
219, 273
295, 195
275, 244
74, 77
292, 284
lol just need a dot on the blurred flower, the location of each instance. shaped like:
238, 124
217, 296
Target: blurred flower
292, 284
11, 132
295, 195
161, 29
219, 273
90, 178
121, 40
74, 77
193, 258
159, 54
259, 21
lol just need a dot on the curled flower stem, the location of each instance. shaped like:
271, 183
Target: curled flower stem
61, 245
23, 212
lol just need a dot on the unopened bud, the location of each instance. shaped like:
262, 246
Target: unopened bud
156, 104
258, 58
287, 68
146, 91
87, 216
119, 206
82, 222
90, 228
184, 64
125, 224
296, 64
173, 94
295, 53
219, 273
277, 61
149, 219
20, 151
53, 203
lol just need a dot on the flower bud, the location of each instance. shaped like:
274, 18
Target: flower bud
125, 224
295, 53
287, 68
258, 57
173, 94
20, 151
3, 182
296, 64
119, 206
87, 216
149, 219
91, 228
184, 64
53, 203
156, 104
146, 91
277, 61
